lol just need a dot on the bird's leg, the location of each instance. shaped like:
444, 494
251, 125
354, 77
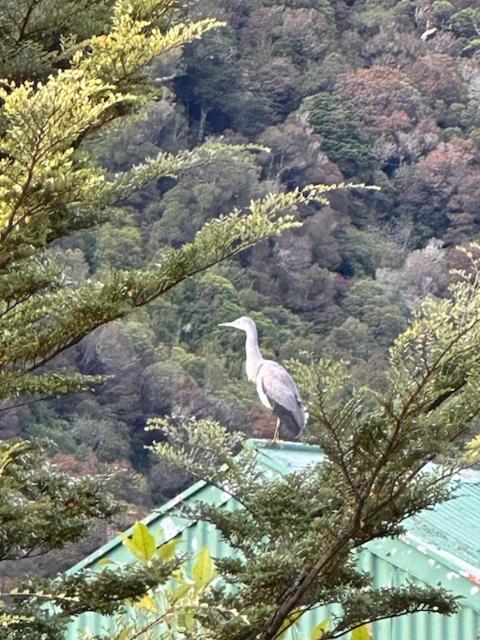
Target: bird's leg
277, 432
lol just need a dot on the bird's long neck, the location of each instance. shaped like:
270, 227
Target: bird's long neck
254, 356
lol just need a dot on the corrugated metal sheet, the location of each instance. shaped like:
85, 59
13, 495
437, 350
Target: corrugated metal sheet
441, 548
422, 626
453, 526
287, 456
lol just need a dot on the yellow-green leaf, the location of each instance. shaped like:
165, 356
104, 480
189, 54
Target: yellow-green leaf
103, 562
142, 543
186, 620
128, 544
178, 593
202, 571
288, 623
320, 630
167, 550
178, 575
361, 633
147, 603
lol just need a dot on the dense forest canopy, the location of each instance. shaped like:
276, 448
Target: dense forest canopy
384, 93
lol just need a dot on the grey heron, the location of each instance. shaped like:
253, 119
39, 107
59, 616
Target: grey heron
275, 386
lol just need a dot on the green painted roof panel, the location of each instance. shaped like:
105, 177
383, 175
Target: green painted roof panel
452, 527
441, 546
291, 456
455, 525
450, 531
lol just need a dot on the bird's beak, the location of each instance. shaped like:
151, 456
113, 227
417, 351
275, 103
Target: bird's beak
226, 324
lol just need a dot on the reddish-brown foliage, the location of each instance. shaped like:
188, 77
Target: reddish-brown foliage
380, 94
446, 188
437, 78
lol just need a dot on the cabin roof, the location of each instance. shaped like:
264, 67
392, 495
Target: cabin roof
448, 534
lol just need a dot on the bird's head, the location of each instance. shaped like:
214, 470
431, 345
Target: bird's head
244, 324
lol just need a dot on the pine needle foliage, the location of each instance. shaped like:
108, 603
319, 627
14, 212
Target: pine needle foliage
389, 453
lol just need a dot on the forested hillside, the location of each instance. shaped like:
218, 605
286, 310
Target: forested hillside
383, 93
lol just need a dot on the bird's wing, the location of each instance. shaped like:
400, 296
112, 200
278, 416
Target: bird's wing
261, 392
277, 385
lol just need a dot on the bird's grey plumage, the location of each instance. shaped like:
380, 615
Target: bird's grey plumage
275, 387
283, 397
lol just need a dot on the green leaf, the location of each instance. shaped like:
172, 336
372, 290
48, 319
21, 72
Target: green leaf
202, 571
176, 594
320, 630
288, 623
167, 550
147, 603
186, 620
361, 633
142, 544
103, 562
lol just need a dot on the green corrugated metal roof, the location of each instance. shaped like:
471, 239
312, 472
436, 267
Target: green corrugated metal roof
451, 530
441, 547
453, 526
287, 456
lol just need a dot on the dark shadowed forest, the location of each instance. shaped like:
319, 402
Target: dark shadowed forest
381, 93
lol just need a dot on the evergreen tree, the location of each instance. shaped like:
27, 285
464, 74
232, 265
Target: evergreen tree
297, 536
71, 75
344, 141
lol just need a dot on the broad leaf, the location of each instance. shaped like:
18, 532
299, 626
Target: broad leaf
288, 623
142, 543
167, 550
361, 633
176, 594
202, 571
186, 620
103, 562
147, 603
320, 630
